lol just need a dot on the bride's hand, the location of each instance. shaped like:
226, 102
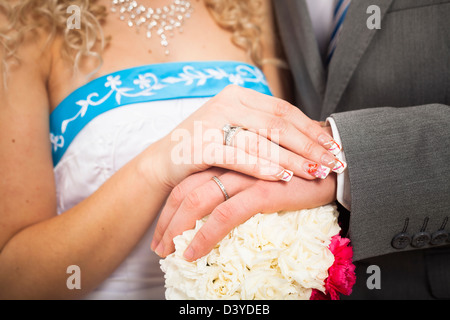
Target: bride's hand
279, 140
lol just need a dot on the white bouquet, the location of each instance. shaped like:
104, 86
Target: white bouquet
286, 255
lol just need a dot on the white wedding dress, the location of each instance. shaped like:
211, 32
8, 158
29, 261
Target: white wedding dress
107, 122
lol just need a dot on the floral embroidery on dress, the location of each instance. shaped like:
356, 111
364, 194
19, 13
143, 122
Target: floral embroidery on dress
136, 88
189, 75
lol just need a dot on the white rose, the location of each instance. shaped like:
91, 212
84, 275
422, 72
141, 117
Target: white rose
271, 256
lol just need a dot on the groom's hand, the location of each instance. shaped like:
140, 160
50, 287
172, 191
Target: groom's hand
198, 196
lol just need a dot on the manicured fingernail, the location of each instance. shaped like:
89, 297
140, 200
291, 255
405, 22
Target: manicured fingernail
330, 144
160, 249
285, 175
335, 164
317, 170
154, 245
189, 254
340, 166
277, 172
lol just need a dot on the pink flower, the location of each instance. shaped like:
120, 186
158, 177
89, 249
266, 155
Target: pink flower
341, 275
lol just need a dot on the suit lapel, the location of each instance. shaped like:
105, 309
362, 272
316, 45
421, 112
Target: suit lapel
354, 40
314, 65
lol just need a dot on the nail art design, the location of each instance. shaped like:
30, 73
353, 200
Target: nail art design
339, 166
332, 162
318, 171
286, 175
331, 145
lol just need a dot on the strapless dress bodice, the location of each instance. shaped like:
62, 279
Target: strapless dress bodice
109, 121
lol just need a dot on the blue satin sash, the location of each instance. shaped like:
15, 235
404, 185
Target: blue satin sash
175, 80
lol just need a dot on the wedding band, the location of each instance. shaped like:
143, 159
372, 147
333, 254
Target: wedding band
222, 187
229, 132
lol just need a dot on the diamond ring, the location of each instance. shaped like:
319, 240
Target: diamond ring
229, 132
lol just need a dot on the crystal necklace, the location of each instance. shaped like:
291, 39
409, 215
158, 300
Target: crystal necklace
160, 21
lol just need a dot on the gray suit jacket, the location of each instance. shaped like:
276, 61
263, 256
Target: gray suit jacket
388, 91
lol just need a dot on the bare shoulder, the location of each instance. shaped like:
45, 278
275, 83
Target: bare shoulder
25, 56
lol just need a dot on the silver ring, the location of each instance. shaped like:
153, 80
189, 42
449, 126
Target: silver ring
222, 187
229, 132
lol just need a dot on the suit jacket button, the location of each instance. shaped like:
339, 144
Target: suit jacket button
439, 237
420, 239
401, 241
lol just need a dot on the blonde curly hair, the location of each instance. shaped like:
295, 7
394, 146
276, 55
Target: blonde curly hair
242, 18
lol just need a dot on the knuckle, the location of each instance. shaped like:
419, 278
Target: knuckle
222, 99
193, 200
282, 108
169, 235
308, 148
311, 127
223, 214
177, 195
277, 124
231, 89
202, 236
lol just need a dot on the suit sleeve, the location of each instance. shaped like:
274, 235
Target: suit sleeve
398, 166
